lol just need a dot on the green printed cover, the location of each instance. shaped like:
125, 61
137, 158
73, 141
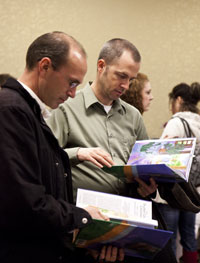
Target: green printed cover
136, 241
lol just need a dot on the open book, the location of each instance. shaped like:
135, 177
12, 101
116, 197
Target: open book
131, 226
167, 160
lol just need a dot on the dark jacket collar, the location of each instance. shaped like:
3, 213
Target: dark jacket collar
13, 84
32, 103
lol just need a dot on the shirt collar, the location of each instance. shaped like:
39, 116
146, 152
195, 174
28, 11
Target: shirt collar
44, 110
89, 96
91, 99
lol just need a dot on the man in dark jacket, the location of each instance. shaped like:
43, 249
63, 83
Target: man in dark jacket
37, 217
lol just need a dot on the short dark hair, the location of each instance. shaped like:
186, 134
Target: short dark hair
55, 45
190, 95
114, 48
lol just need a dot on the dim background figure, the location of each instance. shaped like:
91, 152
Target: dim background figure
3, 78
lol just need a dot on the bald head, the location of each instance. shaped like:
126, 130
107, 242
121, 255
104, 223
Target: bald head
56, 46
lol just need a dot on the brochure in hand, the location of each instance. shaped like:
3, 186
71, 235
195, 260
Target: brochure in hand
166, 160
134, 230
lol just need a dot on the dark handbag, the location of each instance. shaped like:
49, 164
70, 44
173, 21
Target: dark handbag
195, 167
184, 196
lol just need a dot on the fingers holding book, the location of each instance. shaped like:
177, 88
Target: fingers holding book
144, 189
96, 213
109, 254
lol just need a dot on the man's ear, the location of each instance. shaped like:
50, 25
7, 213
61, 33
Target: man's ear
44, 64
101, 64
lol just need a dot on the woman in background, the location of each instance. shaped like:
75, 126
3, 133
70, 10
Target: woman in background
183, 101
139, 93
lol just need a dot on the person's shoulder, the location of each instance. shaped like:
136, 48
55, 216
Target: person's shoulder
193, 120
10, 98
179, 117
174, 121
188, 115
173, 128
15, 108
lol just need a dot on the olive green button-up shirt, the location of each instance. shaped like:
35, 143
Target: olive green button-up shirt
83, 122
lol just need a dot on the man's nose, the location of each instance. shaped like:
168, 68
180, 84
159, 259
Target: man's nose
125, 84
72, 93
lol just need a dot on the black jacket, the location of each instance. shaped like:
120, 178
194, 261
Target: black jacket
36, 211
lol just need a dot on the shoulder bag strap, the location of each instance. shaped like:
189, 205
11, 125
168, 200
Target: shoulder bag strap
187, 128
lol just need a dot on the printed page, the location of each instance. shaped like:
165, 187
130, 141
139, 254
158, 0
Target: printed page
117, 207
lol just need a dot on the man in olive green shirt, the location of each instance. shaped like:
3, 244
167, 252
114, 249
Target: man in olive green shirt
96, 128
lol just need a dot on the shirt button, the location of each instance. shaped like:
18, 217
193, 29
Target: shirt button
84, 220
65, 174
57, 164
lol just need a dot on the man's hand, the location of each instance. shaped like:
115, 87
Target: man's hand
144, 189
97, 156
95, 213
111, 254
108, 254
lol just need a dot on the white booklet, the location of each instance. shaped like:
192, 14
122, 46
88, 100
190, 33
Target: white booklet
134, 211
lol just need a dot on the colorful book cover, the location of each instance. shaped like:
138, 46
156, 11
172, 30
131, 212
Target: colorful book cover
167, 160
136, 241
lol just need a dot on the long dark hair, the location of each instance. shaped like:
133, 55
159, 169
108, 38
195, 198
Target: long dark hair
190, 95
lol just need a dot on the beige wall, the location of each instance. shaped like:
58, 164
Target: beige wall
167, 33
